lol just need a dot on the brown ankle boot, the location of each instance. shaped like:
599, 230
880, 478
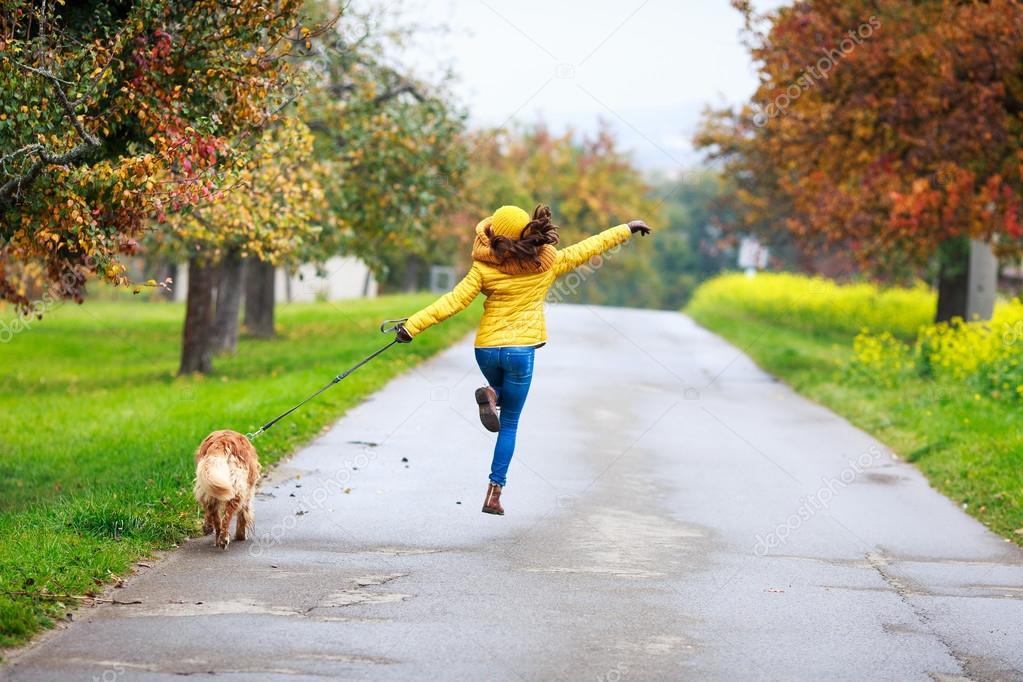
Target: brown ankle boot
492, 503
487, 400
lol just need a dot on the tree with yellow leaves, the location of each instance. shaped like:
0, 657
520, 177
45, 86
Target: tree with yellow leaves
271, 205
112, 114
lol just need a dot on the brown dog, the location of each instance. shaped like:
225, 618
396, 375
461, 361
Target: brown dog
226, 471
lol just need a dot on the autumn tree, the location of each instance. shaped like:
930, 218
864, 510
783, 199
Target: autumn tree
270, 204
115, 114
589, 182
395, 141
887, 129
388, 145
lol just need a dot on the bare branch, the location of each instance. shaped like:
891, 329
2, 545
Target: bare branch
44, 158
396, 91
27, 149
44, 73
65, 103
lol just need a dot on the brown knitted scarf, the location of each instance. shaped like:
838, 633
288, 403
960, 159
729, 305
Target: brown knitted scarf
482, 252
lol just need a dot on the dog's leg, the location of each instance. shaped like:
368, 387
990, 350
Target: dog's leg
225, 522
209, 523
245, 521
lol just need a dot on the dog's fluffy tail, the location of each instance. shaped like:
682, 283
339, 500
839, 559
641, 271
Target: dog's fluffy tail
213, 478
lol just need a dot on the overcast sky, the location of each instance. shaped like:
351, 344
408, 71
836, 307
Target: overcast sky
648, 67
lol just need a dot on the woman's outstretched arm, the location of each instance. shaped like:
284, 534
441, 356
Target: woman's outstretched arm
572, 257
447, 305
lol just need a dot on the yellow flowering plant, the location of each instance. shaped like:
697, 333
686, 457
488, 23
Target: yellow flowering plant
820, 305
985, 354
880, 358
895, 337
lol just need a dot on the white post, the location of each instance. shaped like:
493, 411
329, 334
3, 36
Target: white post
983, 281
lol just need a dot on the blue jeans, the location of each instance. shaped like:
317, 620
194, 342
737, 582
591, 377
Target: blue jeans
509, 372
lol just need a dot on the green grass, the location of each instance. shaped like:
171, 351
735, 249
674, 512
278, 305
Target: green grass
970, 449
98, 434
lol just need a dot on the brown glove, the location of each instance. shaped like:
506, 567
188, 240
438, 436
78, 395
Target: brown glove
639, 226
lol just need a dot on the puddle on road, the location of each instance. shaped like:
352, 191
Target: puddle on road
883, 479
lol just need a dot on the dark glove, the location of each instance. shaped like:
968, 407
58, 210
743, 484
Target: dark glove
639, 226
401, 334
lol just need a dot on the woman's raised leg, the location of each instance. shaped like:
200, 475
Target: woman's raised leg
487, 397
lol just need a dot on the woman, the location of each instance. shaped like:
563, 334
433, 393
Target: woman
514, 264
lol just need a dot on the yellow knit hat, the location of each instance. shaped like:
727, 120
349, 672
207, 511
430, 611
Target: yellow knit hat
508, 221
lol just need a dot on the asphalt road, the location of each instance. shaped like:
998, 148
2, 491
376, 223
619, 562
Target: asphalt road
672, 513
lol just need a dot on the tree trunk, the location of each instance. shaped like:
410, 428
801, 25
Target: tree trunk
259, 299
196, 347
953, 278
413, 273
229, 300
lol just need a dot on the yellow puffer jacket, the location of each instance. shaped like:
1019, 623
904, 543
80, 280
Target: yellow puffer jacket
515, 291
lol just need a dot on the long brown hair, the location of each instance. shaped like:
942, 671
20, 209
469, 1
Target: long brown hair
537, 233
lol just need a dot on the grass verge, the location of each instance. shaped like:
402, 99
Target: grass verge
98, 433
971, 449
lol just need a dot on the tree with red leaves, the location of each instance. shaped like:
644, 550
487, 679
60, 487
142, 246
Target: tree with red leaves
891, 130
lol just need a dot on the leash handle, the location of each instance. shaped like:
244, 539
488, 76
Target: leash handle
391, 326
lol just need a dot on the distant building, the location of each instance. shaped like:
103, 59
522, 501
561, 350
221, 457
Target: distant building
753, 255
1011, 279
342, 277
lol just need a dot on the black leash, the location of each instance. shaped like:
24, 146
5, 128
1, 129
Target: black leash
386, 327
